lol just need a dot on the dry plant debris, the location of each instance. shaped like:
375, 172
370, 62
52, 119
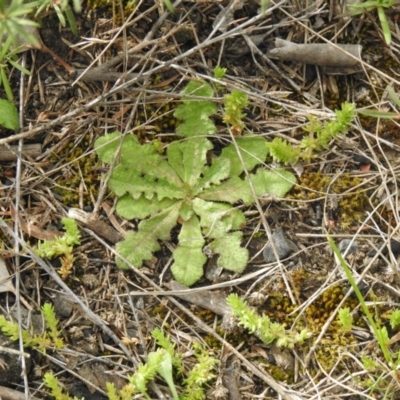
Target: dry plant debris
130, 64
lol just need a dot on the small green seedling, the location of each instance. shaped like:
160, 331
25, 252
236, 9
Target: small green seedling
169, 6
380, 333
219, 72
61, 7
51, 381
264, 5
380, 6
61, 245
17, 30
14, 28
395, 319
8, 57
345, 319
13, 21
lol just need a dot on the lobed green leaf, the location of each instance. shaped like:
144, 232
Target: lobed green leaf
276, 182
252, 150
213, 175
232, 257
140, 208
136, 248
217, 219
125, 179
188, 158
195, 113
139, 246
189, 258
231, 191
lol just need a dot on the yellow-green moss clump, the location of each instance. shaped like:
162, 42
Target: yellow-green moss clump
81, 175
336, 340
344, 195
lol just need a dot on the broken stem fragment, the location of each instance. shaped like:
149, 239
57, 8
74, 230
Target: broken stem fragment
338, 58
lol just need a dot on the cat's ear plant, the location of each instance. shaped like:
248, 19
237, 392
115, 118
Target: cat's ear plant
183, 189
318, 138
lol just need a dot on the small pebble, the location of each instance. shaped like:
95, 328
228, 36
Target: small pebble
284, 247
344, 244
360, 159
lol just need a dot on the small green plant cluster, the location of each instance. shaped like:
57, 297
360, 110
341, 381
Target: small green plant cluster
345, 319
61, 7
17, 15
219, 72
51, 336
163, 362
8, 57
318, 138
262, 326
185, 188
62, 246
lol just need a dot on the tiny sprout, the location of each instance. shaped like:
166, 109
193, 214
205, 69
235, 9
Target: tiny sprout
345, 318
219, 72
